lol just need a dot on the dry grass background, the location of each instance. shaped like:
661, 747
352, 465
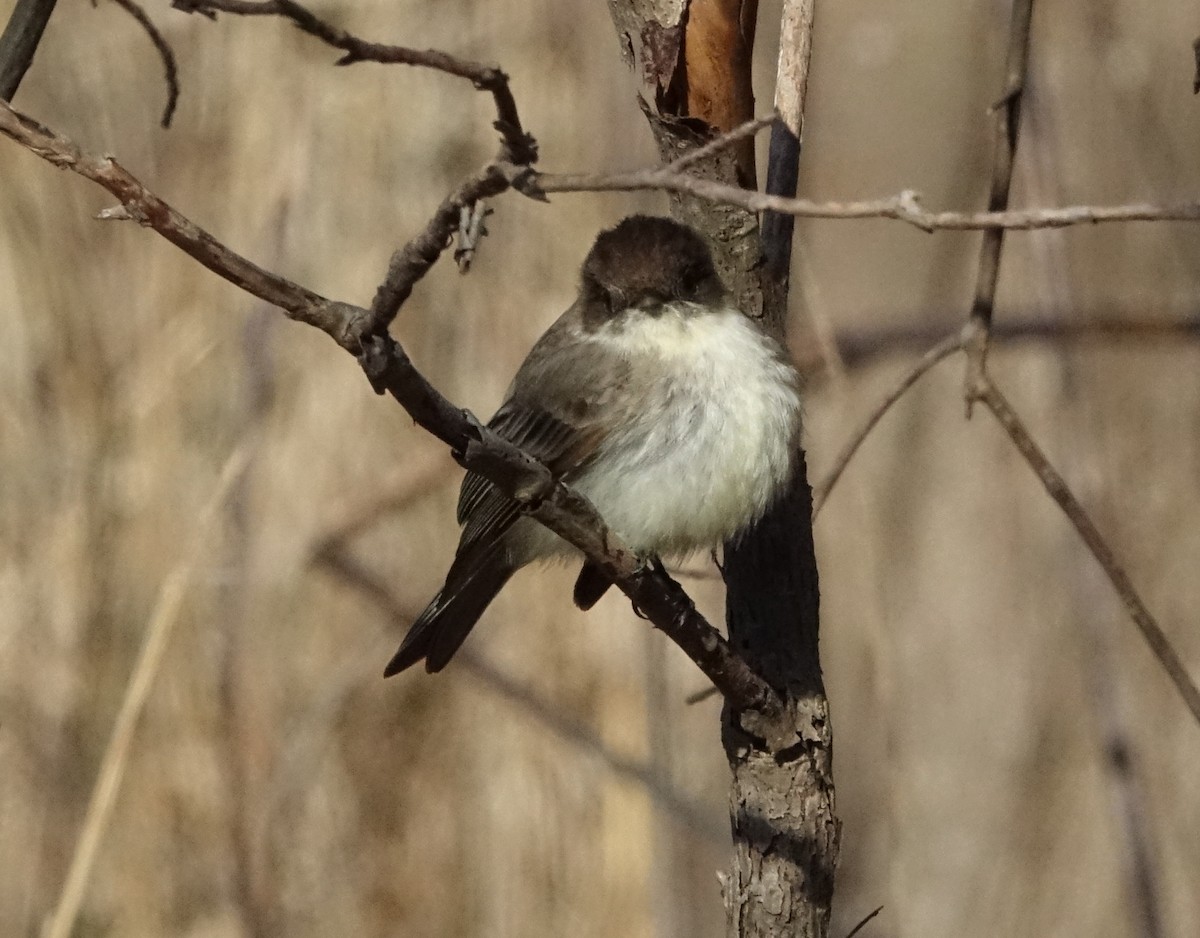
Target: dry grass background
278, 786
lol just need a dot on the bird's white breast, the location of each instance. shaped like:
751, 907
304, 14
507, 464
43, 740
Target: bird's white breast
713, 439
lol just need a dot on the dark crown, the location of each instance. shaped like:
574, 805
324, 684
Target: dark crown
647, 257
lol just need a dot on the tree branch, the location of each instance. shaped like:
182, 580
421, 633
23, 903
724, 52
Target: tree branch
1007, 115
518, 150
904, 206
1056, 487
939, 352
487, 78
479, 449
164, 52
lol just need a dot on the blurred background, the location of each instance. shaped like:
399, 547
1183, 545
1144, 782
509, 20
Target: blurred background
553, 781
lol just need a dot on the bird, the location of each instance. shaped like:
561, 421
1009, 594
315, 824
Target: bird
654, 397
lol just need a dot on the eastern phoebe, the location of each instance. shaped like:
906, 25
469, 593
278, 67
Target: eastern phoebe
654, 397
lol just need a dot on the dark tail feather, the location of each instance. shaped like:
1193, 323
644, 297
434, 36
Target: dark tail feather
449, 618
591, 585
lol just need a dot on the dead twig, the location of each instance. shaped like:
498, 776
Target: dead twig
470, 232
863, 921
489, 78
1007, 116
905, 206
722, 142
412, 262
989, 395
165, 52
518, 150
939, 352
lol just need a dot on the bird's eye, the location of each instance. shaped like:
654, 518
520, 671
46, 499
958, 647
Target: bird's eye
690, 279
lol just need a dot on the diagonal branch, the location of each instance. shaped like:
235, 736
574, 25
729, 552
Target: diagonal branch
979, 385
522, 478
1056, 487
412, 262
942, 350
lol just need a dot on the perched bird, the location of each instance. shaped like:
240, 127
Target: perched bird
654, 397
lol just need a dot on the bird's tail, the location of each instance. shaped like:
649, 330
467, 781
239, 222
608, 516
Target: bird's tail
453, 612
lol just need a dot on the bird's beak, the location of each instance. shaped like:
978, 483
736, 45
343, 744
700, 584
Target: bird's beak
650, 305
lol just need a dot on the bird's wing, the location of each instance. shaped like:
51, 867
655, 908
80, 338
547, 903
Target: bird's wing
483, 510
556, 411
482, 566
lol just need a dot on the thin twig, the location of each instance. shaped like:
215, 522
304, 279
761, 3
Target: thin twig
518, 150
862, 923
905, 206
942, 350
471, 231
989, 395
490, 78
722, 142
164, 52
116, 755
699, 696
412, 262
979, 385
1007, 115
337, 320
19, 42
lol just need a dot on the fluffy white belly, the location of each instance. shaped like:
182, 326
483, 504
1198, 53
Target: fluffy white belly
712, 445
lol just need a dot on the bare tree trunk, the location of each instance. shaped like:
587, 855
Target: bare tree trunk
696, 60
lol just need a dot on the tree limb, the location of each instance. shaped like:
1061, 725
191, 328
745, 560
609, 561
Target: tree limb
904, 206
479, 449
1056, 487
